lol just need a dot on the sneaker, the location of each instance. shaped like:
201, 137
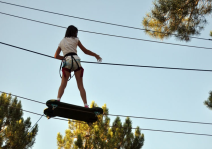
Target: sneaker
86, 106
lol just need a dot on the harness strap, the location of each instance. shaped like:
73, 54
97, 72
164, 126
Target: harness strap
71, 62
75, 61
69, 54
61, 67
80, 68
65, 69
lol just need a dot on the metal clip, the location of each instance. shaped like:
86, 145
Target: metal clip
97, 113
53, 106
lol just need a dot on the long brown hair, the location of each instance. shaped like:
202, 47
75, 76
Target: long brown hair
71, 31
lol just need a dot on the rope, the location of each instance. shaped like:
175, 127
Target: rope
24, 98
32, 128
123, 115
109, 34
36, 123
127, 65
94, 20
45, 103
162, 119
132, 128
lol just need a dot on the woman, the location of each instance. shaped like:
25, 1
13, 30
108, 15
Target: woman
71, 62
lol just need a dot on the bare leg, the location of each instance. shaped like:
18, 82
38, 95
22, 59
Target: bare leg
63, 84
80, 86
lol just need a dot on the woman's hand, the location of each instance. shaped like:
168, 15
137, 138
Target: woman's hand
88, 52
99, 59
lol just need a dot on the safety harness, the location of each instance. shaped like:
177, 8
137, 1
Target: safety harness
63, 63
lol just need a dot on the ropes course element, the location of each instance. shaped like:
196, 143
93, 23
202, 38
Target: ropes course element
126, 65
93, 20
110, 34
123, 115
109, 64
123, 127
33, 112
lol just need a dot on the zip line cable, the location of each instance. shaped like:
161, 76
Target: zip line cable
126, 65
132, 128
92, 20
123, 115
108, 34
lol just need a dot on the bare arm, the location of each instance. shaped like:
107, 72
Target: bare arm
88, 52
57, 54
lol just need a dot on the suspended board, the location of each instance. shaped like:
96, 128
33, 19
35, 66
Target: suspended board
60, 109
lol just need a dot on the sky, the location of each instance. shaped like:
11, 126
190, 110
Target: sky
144, 92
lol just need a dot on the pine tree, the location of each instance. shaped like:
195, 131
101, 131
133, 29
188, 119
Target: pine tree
183, 18
101, 134
208, 102
14, 129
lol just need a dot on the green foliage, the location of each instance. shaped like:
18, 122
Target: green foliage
101, 135
14, 129
79, 142
183, 18
211, 33
208, 102
65, 142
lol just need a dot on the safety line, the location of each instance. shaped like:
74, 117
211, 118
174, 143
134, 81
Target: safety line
94, 20
23, 97
164, 131
174, 132
30, 130
134, 128
110, 34
35, 113
35, 123
21, 109
161, 119
127, 65
45, 103
126, 116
